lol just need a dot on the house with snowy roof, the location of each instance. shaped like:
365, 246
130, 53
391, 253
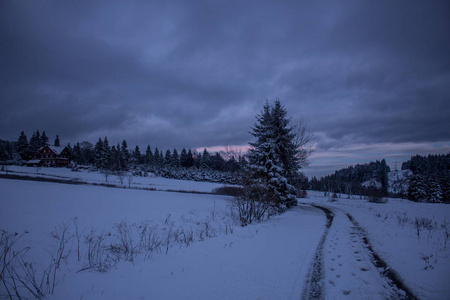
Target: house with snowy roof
51, 156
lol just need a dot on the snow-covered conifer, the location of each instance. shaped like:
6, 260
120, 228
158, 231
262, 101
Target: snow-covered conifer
98, 152
148, 156
105, 155
156, 159
272, 158
125, 152
44, 140
35, 141
183, 158
417, 190
168, 158
175, 159
22, 146
435, 194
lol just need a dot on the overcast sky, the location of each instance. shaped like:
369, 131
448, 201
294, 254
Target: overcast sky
370, 78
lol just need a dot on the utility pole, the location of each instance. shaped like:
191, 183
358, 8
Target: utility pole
395, 166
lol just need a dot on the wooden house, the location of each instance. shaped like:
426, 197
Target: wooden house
51, 156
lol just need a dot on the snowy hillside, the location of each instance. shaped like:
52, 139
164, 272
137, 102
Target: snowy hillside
398, 181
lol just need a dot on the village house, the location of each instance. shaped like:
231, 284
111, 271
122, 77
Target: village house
51, 156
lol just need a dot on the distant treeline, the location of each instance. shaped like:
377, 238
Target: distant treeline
429, 182
118, 157
351, 180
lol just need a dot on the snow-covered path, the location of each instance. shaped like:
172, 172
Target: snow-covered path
421, 263
351, 269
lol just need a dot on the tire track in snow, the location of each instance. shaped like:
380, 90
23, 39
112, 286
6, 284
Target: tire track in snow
314, 283
394, 281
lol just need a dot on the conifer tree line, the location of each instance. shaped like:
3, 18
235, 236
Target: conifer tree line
430, 181
22, 149
119, 157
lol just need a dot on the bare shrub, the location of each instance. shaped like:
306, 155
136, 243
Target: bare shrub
8, 260
375, 199
106, 173
375, 195
61, 234
77, 236
129, 179
402, 220
121, 176
234, 191
98, 255
149, 238
253, 205
168, 239
126, 245
19, 277
424, 223
446, 229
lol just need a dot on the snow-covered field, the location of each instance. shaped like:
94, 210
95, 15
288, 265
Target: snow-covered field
265, 261
189, 246
96, 177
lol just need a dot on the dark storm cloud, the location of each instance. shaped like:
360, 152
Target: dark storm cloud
195, 73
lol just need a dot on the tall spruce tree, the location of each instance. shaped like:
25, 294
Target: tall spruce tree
98, 152
137, 155
57, 143
125, 152
272, 158
148, 156
106, 155
417, 190
383, 177
434, 191
35, 141
44, 140
175, 159
23, 147
183, 158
